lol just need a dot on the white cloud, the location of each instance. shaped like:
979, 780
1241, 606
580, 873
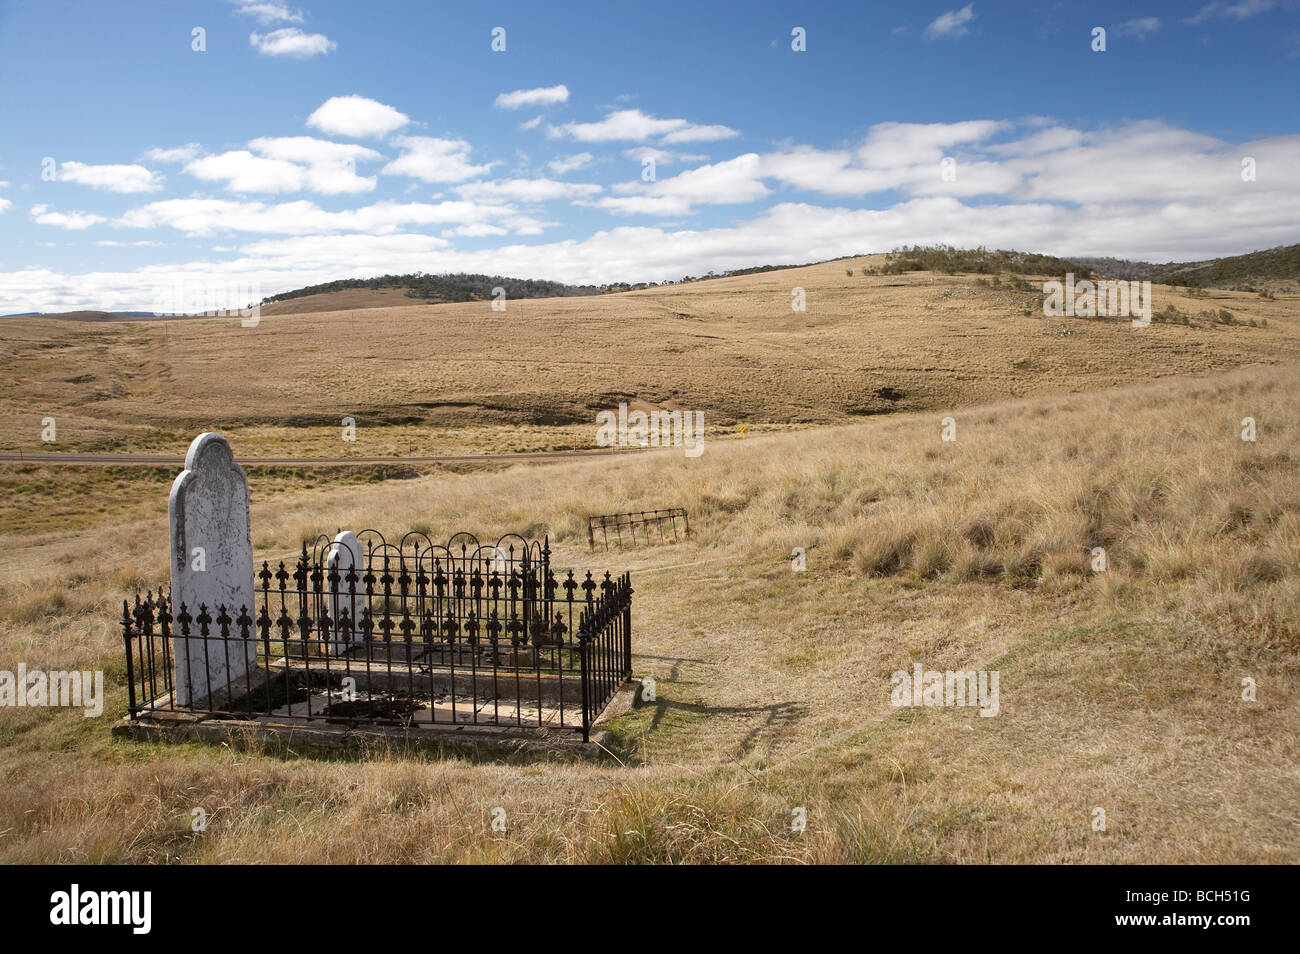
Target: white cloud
531, 123
663, 205
241, 171
120, 178
330, 166
734, 180
1148, 152
479, 230
338, 178
1053, 164
268, 11
895, 156
309, 149
693, 133
952, 23
177, 154
1238, 219
889, 145
65, 220
289, 164
301, 217
434, 160
527, 190
542, 96
634, 125
526, 224
1050, 139
562, 165
290, 41
1242, 10
831, 172
5, 204
1141, 28
143, 243
1042, 186
356, 117
660, 156
342, 251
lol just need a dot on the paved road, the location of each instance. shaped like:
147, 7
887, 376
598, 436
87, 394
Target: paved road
163, 460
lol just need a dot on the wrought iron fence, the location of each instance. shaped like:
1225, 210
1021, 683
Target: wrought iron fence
418, 635
645, 526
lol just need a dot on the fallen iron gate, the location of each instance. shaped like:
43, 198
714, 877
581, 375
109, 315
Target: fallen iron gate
419, 635
645, 522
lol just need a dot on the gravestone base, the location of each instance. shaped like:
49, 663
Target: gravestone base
287, 735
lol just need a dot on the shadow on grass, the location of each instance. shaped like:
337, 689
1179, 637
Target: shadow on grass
771, 723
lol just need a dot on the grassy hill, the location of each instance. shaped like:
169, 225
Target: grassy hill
462, 377
1252, 271
345, 299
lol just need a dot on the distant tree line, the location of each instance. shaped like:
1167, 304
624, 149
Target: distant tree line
461, 286
980, 261
450, 287
1237, 271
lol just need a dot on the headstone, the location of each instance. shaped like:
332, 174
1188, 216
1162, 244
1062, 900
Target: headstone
211, 567
345, 555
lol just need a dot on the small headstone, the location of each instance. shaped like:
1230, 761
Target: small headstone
345, 554
211, 567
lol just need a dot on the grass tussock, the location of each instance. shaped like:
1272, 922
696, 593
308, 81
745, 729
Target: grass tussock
421, 813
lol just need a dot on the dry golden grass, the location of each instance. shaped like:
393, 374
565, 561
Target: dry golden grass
454, 377
1119, 689
348, 299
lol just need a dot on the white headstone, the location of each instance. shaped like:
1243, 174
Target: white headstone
212, 567
345, 554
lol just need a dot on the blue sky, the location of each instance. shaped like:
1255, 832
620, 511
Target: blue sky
328, 139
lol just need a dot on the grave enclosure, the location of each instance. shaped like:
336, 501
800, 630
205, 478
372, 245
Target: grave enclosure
361, 632
645, 527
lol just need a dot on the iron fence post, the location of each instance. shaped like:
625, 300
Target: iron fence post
130, 667
582, 658
627, 625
